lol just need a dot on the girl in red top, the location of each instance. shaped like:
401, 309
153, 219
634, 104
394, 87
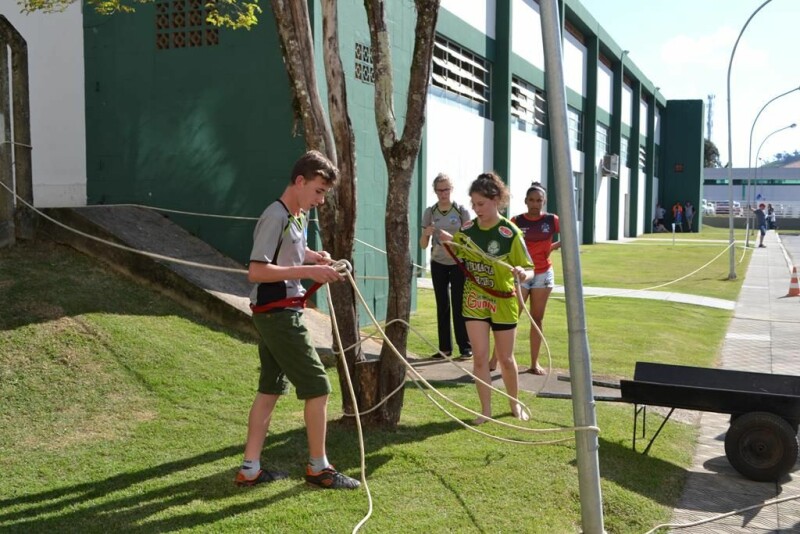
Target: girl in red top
539, 227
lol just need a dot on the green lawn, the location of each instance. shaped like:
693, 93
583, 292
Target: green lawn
122, 411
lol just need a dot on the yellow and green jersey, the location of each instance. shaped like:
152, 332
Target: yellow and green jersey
489, 289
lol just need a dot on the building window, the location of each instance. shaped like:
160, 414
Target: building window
642, 157
363, 57
602, 144
461, 77
575, 123
182, 24
623, 151
528, 107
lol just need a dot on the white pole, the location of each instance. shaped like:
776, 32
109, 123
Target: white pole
732, 273
579, 359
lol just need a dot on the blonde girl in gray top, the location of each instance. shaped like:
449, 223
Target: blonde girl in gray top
448, 280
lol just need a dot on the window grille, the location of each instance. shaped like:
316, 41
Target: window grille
528, 106
460, 77
575, 123
364, 66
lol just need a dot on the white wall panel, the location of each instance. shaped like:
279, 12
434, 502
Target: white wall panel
605, 81
627, 102
526, 32
624, 199
479, 14
574, 64
643, 117
459, 144
528, 164
640, 205
58, 124
602, 207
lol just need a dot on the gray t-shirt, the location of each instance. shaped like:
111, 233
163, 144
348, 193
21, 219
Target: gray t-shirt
450, 221
279, 238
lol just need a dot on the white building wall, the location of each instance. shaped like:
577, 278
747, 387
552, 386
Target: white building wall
58, 119
574, 64
602, 206
640, 204
625, 203
627, 99
526, 32
459, 144
643, 107
479, 14
528, 164
605, 87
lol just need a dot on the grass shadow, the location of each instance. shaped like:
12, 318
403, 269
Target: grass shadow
142, 500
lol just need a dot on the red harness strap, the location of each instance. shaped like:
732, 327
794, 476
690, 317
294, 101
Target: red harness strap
291, 302
468, 274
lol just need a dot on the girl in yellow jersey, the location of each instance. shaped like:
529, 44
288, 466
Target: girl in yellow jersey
490, 302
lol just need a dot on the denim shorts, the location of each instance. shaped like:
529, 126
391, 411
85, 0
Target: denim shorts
543, 280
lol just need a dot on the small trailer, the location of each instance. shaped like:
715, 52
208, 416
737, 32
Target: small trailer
761, 442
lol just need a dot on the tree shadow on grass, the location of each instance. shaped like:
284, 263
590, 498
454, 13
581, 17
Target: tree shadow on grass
140, 507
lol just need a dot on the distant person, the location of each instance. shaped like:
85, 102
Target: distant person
761, 222
658, 226
447, 278
677, 216
539, 228
278, 261
660, 214
490, 303
771, 220
688, 212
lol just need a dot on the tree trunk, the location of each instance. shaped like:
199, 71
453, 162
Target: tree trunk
337, 215
401, 157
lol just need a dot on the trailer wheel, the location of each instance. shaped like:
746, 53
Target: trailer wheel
761, 446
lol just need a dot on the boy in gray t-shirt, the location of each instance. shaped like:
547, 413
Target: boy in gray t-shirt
278, 261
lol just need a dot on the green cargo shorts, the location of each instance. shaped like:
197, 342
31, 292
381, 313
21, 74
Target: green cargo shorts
287, 355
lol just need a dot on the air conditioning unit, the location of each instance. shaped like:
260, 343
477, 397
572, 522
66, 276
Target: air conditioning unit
610, 165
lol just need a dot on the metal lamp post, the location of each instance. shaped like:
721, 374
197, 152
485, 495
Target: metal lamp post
750, 172
732, 273
793, 125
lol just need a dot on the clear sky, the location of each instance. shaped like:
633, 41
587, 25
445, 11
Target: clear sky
684, 47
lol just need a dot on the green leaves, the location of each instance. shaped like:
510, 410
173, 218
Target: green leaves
233, 14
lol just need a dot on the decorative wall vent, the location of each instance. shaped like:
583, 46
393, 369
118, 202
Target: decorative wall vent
182, 24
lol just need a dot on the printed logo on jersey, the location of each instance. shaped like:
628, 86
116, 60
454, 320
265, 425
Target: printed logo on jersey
493, 247
474, 301
455, 219
545, 228
505, 231
468, 225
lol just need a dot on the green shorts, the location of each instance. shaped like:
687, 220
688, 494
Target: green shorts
287, 355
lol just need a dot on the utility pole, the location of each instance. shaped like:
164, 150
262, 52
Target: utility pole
710, 116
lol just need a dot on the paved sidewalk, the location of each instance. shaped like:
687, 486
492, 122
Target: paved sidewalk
763, 336
697, 300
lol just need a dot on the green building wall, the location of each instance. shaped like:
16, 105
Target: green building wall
681, 176
210, 129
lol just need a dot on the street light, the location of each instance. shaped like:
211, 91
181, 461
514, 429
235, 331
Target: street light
749, 158
793, 125
732, 273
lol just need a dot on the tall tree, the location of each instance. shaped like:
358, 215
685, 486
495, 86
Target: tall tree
710, 154
333, 135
